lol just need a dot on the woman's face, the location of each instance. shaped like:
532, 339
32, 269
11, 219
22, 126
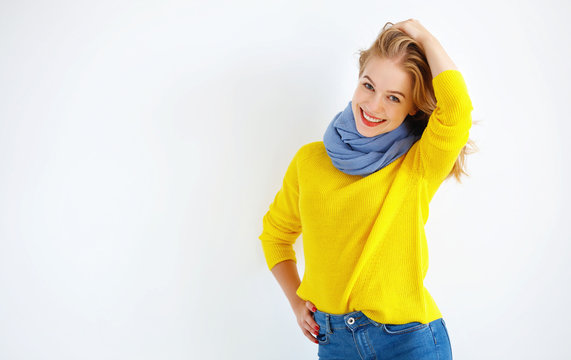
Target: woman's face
384, 93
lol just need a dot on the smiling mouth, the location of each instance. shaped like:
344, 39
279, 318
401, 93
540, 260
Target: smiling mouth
369, 120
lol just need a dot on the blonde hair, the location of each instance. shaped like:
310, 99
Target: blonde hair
391, 43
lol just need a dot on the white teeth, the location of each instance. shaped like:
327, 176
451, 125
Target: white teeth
371, 119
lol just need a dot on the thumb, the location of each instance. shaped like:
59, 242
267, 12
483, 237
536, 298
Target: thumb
310, 306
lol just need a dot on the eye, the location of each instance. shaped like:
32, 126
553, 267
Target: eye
368, 86
394, 98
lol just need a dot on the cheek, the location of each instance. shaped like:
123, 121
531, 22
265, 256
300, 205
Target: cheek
397, 110
360, 93
356, 96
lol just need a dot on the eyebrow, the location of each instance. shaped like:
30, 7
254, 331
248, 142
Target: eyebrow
391, 91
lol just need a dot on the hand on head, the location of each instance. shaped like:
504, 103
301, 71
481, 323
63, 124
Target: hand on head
414, 29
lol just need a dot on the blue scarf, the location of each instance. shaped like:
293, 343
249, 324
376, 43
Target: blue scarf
356, 154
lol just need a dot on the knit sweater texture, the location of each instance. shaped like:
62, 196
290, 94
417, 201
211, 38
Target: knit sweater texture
364, 241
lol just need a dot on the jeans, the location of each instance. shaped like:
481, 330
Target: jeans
355, 336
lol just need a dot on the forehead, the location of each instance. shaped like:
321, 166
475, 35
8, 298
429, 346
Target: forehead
387, 74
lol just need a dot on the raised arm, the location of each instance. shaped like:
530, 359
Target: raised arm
448, 127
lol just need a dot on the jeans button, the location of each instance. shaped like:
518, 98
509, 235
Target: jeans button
350, 321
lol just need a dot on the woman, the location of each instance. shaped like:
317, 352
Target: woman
361, 197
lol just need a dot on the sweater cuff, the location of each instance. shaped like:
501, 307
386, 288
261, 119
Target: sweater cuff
277, 252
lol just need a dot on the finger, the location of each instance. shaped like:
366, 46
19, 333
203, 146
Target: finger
310, 306
310, 337
401, 26
310, 321
311, 328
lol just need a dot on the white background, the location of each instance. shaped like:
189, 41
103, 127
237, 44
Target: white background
141, 143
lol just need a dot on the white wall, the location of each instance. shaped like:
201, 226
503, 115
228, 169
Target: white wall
142, 142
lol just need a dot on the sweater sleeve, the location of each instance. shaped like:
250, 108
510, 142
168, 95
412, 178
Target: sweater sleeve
448, 126
282, 224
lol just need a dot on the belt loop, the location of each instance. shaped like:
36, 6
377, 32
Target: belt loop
328, 324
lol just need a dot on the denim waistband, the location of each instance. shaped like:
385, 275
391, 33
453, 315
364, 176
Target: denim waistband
350, 320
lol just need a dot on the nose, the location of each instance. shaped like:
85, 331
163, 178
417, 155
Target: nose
376, 105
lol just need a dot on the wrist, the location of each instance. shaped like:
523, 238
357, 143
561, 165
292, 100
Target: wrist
430, 44
427, 41
438, 59
295, 302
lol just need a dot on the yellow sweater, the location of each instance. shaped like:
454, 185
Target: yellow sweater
363, 237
